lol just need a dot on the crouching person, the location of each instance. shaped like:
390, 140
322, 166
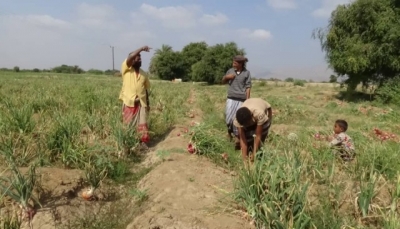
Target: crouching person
253, 120
341, 142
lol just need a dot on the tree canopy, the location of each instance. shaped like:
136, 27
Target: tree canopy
196, 62
362, 41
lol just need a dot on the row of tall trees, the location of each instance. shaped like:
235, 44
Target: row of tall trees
362, 41
197, 61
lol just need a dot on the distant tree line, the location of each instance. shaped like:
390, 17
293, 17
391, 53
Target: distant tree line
69, 70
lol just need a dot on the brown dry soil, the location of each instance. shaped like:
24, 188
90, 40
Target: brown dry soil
183, 191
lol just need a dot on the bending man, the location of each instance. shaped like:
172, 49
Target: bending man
252, 118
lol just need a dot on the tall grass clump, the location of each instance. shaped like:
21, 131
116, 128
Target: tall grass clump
20, 118
392, 219
205, 140
273, 193
126, 137
63, 139
19, 187
367, 191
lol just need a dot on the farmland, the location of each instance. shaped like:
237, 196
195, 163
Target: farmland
69, 127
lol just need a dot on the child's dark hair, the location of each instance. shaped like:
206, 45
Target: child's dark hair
342, 124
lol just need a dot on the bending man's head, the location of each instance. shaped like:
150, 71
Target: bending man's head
243, 116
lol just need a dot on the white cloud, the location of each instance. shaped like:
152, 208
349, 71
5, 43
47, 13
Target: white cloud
177, 17
40, 21
173, 17
258, 34
282, 4
212, 20
47, 21
327, 6
261, 34
97, 16
137, 19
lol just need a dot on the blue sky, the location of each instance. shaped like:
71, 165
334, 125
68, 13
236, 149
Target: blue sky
276, 34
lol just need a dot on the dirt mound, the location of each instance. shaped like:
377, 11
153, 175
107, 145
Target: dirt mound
187, 191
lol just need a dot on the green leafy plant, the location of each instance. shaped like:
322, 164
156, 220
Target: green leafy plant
367, 191
95, 172
20, 118
272, 193
204, 140
19, 187
126, 137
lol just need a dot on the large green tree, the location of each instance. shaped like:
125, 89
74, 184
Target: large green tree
191, 54
167, 64
215, 62
362, 41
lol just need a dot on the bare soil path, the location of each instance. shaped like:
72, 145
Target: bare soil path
186, 191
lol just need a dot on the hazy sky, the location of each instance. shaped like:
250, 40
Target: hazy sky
276, 34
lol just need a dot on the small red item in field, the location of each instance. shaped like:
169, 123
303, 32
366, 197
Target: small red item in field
317, 136
385, 135
191, 148
30, 213
179, 134
378, 131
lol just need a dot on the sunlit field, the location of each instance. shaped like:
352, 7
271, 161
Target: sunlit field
72, 124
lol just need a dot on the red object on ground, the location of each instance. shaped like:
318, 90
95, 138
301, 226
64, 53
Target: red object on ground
191, 149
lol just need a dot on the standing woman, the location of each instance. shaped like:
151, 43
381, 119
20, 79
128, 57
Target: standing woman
239, 80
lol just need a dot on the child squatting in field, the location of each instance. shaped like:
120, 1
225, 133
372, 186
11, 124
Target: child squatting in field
342, 142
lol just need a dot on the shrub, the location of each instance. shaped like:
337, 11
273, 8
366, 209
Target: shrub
389, 91
298, 83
